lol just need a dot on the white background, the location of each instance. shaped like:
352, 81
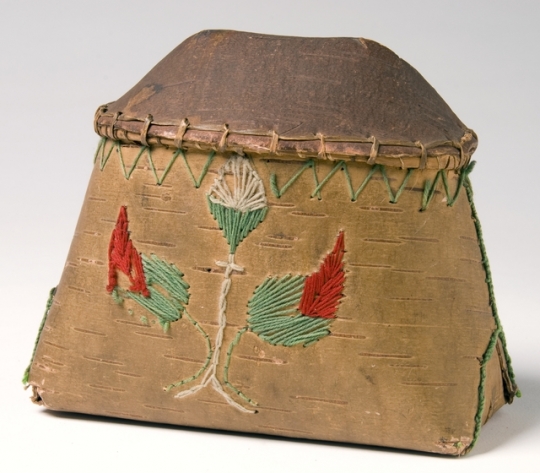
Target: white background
59, 60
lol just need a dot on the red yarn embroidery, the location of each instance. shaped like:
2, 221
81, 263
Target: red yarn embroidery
124, 257
323, 289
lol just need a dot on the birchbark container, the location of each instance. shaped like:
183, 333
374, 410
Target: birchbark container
279, 237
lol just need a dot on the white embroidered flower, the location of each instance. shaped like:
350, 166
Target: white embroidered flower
247, 191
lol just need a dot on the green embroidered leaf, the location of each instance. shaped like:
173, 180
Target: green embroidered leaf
168, 303
168, 276
237, 200
162, 307
236, 225
274, 316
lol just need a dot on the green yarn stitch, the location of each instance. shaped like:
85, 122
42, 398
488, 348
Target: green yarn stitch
498, 333
279, 192
342, 165
159, 180
127, 174
103, 156
168, 276
235, 342
197, 182
167, 308
339, 165
274, 316
206, 362
26, 375
429, 187
235, 224
99, 148
429, 191
394, 197
354, 195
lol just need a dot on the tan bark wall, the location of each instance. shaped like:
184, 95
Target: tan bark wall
400, 368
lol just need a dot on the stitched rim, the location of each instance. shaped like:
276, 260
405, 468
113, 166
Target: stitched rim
404, 154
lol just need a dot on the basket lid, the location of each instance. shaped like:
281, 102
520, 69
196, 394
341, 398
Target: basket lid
337, 98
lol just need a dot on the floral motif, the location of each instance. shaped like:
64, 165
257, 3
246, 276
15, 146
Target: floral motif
157, 286
238, 204
285, 311
124, 257
293, 310
237, 201
323, 289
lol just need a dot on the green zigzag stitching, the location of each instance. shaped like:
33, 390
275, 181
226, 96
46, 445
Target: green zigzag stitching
498, 333
340, 165
103, 158
103, 155
429, 187
197, 182
310, 163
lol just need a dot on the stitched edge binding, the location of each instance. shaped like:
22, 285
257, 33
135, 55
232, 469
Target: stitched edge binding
446, 154
497, 336
26, 374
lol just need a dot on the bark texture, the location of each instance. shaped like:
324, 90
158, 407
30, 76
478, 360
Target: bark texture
401, 366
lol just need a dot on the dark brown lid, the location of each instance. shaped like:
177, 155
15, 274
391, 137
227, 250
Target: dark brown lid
337, 98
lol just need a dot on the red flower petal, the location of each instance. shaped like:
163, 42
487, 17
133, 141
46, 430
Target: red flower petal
323, 289
124, 257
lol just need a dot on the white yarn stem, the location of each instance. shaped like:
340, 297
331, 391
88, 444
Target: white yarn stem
210, 375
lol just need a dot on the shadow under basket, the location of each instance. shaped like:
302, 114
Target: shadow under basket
279, 237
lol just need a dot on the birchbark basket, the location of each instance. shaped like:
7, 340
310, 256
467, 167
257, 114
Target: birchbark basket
279, 238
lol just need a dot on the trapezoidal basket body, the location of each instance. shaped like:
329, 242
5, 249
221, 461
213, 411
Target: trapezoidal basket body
323, 288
